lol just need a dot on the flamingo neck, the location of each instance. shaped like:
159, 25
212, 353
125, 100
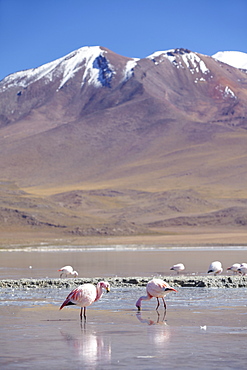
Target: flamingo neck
99, 291
143, 298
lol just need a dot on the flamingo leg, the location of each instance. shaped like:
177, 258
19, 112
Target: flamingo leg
158, 303
83, 309
164, 316
158, 316
164, 303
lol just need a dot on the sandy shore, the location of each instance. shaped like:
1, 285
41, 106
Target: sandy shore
178, 281
179, 236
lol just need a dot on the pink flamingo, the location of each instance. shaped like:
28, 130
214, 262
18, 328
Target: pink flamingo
84, 295
155, 288
68, 270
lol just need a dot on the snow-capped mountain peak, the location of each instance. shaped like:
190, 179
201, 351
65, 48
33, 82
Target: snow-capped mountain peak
235, 59
181, 58
95, 78
97, 69
72, 63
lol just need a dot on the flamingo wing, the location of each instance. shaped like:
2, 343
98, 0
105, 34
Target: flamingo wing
158, 288
67, 269
155, 288
83, 296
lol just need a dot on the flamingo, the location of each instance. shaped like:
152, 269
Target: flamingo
234, 268
243, 268
178, 267
84, 295
155, 288
215, 267
68, 270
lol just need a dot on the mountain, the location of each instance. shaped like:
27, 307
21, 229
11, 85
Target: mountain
235, 59
95, 143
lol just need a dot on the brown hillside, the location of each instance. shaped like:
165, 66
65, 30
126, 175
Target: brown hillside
163, 149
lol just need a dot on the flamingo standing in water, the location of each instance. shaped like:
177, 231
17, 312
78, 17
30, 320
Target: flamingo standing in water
84, 295
178, 267
234, 268
243, 268
155, 288
215, 267
68, 270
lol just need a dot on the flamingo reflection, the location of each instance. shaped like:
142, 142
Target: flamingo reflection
159, 334
160, 318
90, 348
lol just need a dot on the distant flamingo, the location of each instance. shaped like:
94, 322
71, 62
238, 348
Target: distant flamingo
243, 268
155, 288
84, 295
178, 267
68, 270
234, 268
215, 267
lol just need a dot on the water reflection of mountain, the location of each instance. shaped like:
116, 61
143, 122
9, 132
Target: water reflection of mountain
90, 348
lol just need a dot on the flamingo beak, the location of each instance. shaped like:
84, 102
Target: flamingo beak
108, 289
171, 289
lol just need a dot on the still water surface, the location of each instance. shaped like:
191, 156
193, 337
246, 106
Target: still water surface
101, 261
203, 328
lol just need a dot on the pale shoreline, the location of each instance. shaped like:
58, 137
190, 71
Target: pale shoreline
176, 281
231, 246
179, 236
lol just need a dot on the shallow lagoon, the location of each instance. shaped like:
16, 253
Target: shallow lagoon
202, 328
102, 261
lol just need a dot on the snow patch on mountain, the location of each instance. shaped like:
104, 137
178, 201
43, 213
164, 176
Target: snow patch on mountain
226, 92
105, 72
24, 78
181, 58
229, 93
199, 80
195, 63
129, 68
235, 59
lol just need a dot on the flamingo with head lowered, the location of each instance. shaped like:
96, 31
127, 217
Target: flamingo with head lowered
215, 267
234, 268
156, 288
84, 295
68, 270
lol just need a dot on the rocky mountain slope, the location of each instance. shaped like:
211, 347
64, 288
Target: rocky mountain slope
97, 143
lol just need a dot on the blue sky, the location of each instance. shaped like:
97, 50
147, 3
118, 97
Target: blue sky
34, 32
